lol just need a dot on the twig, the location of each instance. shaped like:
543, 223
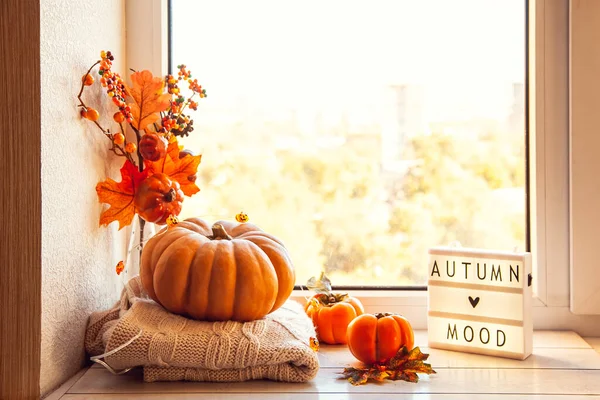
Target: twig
187, 102
141, 168
140, 158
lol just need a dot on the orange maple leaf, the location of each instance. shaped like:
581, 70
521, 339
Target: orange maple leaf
182, 170
148, 97
119, 195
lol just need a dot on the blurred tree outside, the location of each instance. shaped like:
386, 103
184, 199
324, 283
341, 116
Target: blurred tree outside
337, 209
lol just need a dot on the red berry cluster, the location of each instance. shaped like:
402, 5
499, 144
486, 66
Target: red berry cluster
115, 86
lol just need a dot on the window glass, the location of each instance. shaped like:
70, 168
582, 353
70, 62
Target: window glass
360, 133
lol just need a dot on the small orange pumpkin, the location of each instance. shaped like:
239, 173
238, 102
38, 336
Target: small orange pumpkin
331, 312
229, 271
157, 197
375, 338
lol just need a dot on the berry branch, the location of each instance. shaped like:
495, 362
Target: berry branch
92, 115
175, 121
83, 81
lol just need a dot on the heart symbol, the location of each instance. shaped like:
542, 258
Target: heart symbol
474, 301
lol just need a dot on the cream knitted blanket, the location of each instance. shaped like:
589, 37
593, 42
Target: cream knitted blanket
173, 348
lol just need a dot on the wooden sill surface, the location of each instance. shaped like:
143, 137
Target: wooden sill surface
563, 366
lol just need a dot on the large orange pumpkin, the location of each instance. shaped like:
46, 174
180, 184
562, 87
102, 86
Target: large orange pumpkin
331, 313
375, 338
229, 271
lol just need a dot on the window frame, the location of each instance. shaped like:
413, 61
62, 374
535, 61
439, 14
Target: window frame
549, 168
548, 144
583, 162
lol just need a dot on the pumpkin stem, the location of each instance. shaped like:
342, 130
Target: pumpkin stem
381, 315
219, 233
170, 196
330, 299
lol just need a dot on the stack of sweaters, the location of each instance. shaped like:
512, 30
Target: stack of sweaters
173, 348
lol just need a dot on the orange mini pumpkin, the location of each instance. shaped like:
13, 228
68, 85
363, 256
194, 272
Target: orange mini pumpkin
157, 197
375, 338
229, 271
331, 312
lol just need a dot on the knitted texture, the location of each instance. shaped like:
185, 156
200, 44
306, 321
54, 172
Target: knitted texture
173, 348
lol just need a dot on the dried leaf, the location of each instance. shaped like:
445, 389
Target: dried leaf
400, 358
403, 366
407, 376
416, 354
119, 195
417, 366
356, 376
183, 170
149, 98
321, 285
378, 375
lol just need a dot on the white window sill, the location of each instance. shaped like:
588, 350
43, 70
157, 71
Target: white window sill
562, 364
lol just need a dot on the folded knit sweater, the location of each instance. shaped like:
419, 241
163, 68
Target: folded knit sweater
171, 347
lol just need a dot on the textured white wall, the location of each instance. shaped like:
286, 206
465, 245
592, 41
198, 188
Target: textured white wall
78, 257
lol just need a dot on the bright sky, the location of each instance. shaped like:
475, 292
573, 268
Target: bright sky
310, 54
